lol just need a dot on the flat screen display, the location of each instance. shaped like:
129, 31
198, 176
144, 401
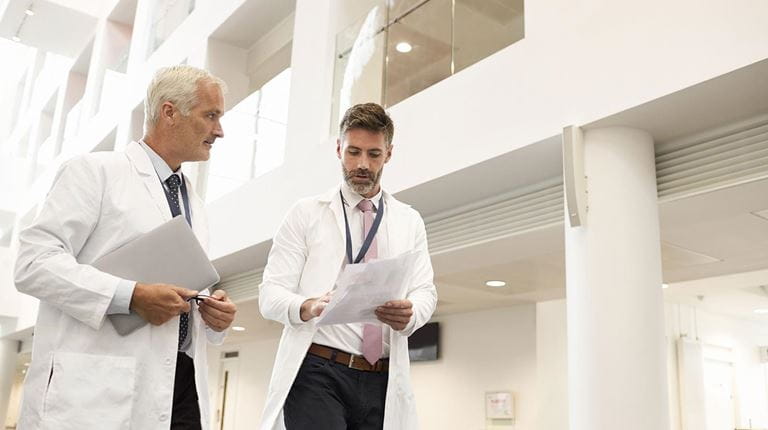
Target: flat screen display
424, 343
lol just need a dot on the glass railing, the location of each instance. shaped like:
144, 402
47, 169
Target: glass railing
401, 47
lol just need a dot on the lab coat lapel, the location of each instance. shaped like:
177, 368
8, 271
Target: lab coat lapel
143, 165
334, 201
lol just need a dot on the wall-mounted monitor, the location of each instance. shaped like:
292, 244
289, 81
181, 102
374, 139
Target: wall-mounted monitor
424, 343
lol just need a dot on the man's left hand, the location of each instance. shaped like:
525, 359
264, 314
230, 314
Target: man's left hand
395, 313
218, 312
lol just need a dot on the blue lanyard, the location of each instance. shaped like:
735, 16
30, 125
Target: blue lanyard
371, 232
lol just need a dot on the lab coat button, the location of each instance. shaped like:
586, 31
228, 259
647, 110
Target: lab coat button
163, 417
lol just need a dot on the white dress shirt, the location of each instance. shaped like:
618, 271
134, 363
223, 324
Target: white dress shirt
349, 337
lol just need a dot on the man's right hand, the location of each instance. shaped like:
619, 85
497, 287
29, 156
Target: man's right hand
312, 308
158, 303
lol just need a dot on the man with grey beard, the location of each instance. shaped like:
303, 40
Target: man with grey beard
345, 376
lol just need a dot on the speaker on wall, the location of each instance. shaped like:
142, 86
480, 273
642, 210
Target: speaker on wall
574, 181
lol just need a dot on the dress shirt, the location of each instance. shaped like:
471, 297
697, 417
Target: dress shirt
121, 301
349, 337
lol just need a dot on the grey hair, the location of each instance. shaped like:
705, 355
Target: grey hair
178, 85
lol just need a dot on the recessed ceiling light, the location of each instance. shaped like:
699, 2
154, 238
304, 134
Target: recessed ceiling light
27, 363
29, 12
404, 47
495, 284
238, 328
665, 286
16, 39
761, 311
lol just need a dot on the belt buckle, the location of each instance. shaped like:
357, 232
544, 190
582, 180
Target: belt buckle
351, 361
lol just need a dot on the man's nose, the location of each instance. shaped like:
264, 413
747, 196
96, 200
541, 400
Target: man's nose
363, 162
218, 131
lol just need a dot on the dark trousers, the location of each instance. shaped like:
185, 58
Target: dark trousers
186, 411
330, 396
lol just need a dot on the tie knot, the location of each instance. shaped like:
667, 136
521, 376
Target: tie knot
173, 182
365, 205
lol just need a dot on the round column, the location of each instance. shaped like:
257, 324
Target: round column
616, 350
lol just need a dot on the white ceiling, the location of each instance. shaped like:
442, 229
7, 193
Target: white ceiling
54, 28
252, 21
736, 295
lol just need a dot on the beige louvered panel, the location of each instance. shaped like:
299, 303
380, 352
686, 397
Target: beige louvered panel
242, 287
503, 216
726, 157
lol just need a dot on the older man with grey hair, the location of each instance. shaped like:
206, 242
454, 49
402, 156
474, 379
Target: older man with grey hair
84, 375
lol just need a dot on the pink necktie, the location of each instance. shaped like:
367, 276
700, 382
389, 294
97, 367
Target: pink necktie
372, 339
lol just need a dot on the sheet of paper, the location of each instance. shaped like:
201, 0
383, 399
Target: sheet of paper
169, 254
361, 288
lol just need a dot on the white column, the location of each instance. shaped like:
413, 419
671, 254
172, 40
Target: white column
312, 63
8, 352
616, 350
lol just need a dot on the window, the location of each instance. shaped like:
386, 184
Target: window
254, 138
401, 47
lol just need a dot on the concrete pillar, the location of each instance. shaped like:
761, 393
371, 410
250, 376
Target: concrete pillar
616, 350
8, 352
312, 64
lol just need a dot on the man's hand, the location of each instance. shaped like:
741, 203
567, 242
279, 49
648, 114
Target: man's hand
312, 308
218, 311
395, 313
158, 303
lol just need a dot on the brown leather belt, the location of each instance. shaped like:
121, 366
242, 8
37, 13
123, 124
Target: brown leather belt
357, 362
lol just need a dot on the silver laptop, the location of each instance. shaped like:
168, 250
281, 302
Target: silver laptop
169, 254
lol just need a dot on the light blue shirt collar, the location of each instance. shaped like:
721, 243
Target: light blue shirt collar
161, 167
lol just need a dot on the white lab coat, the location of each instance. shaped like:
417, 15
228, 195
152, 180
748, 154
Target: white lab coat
83, 374
307, 254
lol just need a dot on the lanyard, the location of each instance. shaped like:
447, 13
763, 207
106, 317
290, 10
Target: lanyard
184, 197
371, 232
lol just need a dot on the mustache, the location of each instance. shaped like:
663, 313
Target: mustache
360, 172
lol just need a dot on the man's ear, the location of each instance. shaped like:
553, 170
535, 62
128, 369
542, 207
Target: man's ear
168, 112
338, 148
389, 153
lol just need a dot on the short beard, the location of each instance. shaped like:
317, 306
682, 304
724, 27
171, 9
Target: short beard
361, 189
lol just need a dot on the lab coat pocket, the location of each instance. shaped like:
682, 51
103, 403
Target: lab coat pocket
89, 391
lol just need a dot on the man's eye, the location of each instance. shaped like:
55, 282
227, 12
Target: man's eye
375, 154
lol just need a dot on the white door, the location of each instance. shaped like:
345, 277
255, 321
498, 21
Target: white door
718, 386
227, 400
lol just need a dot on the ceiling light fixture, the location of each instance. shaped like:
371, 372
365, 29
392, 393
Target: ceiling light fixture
761, 311
29, 12
16, 39
404, 47
495, 284
665, 286
238, 328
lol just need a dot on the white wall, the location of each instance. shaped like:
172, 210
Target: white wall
254, 369
491, 350
742, 338
579, 61
552, 365
481, 351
